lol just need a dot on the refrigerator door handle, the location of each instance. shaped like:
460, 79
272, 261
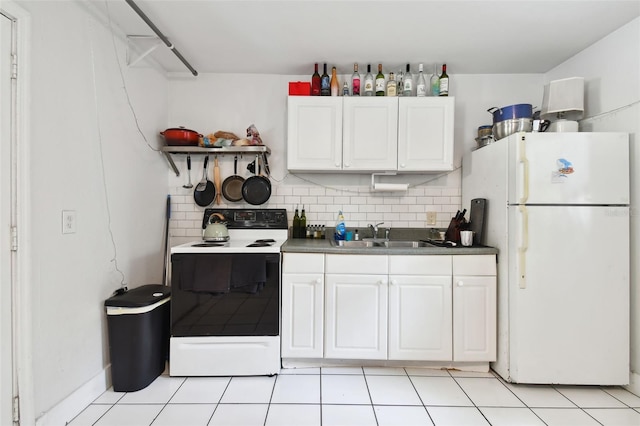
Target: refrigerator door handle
522, 159
522, 249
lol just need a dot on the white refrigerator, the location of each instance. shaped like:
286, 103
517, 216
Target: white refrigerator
558, 211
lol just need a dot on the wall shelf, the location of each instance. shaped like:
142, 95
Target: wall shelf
169, 151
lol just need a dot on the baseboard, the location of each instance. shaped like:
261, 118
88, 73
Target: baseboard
634, 383
71, 406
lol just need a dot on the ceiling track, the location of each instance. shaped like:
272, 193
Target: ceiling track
160, 35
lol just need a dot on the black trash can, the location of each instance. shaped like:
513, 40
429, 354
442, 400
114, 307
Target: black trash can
138, 323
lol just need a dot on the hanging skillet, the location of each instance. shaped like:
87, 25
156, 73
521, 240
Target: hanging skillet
205, 191
232, 185
257, 189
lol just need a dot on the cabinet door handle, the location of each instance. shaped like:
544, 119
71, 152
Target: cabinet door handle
403, 165
381, 282
394, 282
460, 283
338, 165
347, 164
318, 281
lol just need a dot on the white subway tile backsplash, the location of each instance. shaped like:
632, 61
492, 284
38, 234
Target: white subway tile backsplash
359, 204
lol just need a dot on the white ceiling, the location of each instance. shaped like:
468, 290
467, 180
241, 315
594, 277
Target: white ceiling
288, 36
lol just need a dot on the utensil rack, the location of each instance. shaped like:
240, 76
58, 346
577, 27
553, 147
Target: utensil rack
169, 151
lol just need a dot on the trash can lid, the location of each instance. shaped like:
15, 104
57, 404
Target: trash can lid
140, 296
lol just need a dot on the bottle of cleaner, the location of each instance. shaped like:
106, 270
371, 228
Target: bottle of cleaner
341, 229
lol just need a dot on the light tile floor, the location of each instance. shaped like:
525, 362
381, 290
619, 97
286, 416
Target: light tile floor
361, 396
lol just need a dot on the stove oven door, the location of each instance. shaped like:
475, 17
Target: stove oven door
225, 294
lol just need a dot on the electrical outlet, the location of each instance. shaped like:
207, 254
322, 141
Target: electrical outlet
431, 218
68, 221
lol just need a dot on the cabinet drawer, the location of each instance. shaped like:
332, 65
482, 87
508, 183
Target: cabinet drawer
356, 264
420, 265
303, 263
474, 265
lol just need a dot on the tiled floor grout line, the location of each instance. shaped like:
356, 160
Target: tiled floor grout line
419, 397
472, 401
504, 383
581, 408
366, 383
273, 388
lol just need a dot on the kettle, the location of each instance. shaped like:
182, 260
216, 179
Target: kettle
216, 229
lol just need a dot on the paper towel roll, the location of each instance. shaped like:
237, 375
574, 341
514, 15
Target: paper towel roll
390, 186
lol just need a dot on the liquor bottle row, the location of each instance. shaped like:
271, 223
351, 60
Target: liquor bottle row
400, 84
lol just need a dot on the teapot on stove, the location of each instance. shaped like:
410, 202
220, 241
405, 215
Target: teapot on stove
216, 229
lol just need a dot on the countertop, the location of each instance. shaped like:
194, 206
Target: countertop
301, 245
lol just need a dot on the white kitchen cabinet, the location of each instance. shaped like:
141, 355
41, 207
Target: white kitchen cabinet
302, 305
474, 308
370, 134
356, 307
314, 133
420, 308
425, 134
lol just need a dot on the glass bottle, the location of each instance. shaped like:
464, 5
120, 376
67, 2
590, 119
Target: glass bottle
345, 89
355, 81
421, 84
408, 82
400, 83
295, 231
435, 82
303, 223
315, 82
335, 86
380, 82
368, 82
325, 90
444, 82
391, 85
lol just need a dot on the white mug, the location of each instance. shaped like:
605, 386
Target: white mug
466, 237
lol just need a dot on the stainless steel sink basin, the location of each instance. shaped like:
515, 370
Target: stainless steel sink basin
370, 242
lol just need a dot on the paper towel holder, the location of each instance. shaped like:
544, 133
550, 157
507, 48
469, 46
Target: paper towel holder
387, 187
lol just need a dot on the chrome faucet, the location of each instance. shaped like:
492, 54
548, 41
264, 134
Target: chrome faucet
374, 229
386, 233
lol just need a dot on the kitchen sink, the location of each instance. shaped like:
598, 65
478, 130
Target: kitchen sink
370, 242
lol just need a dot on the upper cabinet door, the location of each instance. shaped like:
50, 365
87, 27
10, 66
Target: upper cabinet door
315, 133
425, 134
370, 134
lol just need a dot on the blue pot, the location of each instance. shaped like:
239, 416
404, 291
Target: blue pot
511, 112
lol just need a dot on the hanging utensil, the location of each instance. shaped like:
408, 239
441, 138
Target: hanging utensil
216, 179
205, 191
257, 189
188, 185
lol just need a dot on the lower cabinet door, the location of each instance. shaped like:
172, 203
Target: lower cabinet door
420, 324
474, 318
302, 314
355, 316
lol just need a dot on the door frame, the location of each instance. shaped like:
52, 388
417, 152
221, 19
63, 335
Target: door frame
21, 217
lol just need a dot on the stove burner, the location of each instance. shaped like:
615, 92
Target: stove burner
266, 240
209, 245
259, 244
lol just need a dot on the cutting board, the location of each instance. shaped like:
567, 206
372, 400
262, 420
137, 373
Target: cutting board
476, 218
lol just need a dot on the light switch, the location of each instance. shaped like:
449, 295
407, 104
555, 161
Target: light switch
431, 218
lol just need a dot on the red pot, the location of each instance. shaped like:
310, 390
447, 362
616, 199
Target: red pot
181, 136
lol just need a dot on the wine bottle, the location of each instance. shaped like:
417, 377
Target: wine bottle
380, 82
391, 85
335, 86
408, 82
400, 83
421, 84
315, 82
435, 82
303, 223
295, 232
355, 81
325, 90
444, 82
368, 82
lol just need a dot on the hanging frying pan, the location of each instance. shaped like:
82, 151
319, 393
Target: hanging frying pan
257, 189
232, 185
205, 191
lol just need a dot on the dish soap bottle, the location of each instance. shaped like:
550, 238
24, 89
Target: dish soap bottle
341, 229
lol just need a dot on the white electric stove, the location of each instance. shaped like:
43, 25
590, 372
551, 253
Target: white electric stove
225, 298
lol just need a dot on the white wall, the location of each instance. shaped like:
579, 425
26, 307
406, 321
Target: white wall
87, 155
611, 68
232, 102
